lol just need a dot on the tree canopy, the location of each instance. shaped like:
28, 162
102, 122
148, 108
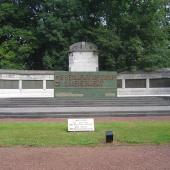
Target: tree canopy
36, 34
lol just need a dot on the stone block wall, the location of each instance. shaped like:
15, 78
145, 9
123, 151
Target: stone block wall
23, 83
144, 84
20, 83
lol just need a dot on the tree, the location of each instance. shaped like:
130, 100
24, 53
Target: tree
17, 42
129, 33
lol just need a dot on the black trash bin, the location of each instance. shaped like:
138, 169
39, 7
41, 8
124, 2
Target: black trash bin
109, 136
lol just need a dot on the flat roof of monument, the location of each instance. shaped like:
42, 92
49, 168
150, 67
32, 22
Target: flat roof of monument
83, 47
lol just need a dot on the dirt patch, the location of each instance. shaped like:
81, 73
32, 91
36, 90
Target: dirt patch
86, 158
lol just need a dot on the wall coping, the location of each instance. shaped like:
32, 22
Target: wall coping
27, 72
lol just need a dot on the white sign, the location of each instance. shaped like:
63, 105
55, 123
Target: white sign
77, 125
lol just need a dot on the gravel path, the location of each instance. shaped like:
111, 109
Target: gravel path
109, 157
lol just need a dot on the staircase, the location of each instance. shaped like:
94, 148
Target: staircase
55, 107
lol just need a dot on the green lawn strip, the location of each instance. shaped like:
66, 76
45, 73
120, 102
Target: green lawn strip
55, 134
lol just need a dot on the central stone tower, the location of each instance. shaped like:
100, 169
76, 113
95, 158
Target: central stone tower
83, 57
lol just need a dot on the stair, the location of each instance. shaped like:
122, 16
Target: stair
55, 107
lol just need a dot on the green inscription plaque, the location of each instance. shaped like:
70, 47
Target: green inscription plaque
85, 84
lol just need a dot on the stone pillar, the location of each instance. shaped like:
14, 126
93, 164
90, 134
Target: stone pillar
44, 85
123, 83
20, 85
147, 83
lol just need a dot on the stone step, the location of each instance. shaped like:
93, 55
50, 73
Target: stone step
35, 102
113, 98
85, 105
84, 115
52, 107
74, 99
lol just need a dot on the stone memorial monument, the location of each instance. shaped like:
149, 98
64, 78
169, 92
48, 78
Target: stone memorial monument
83, 80
83, 56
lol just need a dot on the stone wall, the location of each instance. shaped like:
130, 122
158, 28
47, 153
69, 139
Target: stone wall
23, 83
144, 83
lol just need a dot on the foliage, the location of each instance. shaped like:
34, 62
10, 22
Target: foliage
17, 42
37, 34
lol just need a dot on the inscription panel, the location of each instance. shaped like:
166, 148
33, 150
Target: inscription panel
85, 84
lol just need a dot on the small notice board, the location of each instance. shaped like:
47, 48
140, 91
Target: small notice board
80, 125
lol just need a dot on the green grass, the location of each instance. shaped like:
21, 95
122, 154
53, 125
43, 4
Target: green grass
55, 134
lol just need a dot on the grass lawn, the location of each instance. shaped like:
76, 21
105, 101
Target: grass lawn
55, 134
